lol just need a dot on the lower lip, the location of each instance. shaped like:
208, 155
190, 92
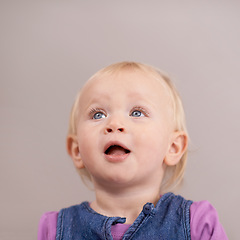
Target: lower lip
116, 158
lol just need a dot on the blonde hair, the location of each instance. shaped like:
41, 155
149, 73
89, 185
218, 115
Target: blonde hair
173, 174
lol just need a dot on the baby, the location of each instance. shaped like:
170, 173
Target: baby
127, 135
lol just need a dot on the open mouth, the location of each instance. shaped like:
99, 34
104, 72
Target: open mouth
116, 150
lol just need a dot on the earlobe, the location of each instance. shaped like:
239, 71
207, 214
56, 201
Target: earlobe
177, 148
73, 151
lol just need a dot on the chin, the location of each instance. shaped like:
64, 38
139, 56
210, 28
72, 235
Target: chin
119, 180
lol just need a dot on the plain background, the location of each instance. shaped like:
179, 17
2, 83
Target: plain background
48, 49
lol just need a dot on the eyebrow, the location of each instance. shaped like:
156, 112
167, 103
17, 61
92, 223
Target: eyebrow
96, 100
99, 96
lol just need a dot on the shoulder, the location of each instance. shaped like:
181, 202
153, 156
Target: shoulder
205, 223
47, 226
48, 222
171, 198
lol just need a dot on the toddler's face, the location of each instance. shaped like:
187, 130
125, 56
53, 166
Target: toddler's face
124, 129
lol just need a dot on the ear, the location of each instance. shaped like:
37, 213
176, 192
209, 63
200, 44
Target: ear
73, 151
177, 147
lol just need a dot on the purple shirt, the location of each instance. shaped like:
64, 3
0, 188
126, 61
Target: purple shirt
204, 224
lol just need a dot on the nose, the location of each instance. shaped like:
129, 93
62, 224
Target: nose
114, 125
111, 129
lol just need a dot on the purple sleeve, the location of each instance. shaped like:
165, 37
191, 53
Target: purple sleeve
48, 226
204, 222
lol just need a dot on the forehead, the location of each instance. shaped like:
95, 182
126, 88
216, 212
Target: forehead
126, 82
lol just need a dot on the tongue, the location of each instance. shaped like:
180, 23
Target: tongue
116, 150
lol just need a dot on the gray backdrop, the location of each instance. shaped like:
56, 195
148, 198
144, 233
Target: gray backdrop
48, 49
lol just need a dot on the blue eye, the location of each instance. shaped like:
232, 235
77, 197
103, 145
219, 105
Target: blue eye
99, 115
137, 113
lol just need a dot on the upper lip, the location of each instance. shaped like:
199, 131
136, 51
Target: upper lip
115, 143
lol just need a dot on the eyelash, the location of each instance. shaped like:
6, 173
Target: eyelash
93, 111
140, 109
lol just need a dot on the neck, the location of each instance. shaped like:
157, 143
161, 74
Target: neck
124, 202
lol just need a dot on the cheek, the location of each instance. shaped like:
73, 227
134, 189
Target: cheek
86, 151
88, 142
152, 141
83, 140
